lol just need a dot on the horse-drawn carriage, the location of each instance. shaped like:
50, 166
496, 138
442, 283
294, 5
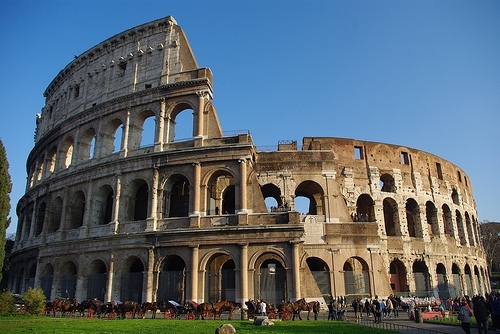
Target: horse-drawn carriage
285, 311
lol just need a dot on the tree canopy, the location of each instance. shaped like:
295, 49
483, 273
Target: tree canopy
5, 189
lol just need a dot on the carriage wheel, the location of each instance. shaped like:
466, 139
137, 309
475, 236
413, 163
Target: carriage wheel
190, 316
271, 315
111, 315
286, 316
90, 313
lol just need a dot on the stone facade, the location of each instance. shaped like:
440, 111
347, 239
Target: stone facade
107, 214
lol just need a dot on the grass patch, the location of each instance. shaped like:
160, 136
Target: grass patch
42, 325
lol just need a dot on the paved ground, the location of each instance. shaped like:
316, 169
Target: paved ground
404, 325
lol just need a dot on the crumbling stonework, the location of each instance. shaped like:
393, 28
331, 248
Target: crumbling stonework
108, 215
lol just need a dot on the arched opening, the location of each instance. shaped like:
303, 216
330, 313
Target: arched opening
456, 288
454, 197
52, 160
272, 196
55, 215
30, 280
67, 150
421, 276
86, 145
391, 217
148, 131
131, 280
46, 278
314, 193
270, 279
76, 210
221, 194
68, 280
468, 281
96, 284
103, 205
111, 137
387, 183
356, 277
40, 217
141, 202
320, 277
431, 216
397, 271
220, 279
461, 228
447, 220
442, 283
365, 211
413, 218
176, 197
470, 232
172, 280
183, 125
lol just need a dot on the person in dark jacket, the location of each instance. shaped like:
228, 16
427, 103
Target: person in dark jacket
495, 311
481, 314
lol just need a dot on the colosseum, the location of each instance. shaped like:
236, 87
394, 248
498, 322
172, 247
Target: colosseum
119, 208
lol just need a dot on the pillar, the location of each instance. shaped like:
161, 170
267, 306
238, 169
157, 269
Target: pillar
243, 185
244, 272
149, 276
196, 188
296, 269
109, 289
116, 207
201, 107
125, 134
161, 126
194, 273
152, 220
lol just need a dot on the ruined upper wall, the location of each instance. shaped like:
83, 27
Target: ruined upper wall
147, 56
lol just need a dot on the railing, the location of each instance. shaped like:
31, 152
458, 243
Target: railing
400, 328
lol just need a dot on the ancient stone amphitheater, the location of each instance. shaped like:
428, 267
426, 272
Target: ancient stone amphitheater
118, 208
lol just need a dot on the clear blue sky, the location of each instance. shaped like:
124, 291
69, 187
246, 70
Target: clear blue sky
422, 74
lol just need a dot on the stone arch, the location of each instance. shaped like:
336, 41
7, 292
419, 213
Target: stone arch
103, 205
477, 279
398, 272
176, 196
320, 279
391, 217
447, 220
172, 279
86, 145
413, 218
137, 131
55, 215
272, 191
470, 232
97, 280
314, 192
442, 282
221, 195
52, 160
109, 137
432, 220
75, 211
181, 122
365, 208
461, 227
30, 279
68, 280
456, 287
387, 183
40, 217
136, 200
455, 197
220, 277
468, 281
422, 279
40, 165
67, 152
46, 278
132, 280
270, 280
356, 277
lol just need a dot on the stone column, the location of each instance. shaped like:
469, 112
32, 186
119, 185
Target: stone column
243, 185
199, 113
196, 188
116, 206
194, 273
152, 220
125, 134
295, 269
243, 272
109, 289
148, 288
161, 126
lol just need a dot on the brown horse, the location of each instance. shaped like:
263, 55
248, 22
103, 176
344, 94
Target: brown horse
64, 306
227, 307
300, 305
205, 309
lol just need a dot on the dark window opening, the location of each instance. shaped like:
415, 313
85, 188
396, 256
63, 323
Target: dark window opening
77, 91
439, 171
123, 69
147, 86
358, 152
459, 176
405, 159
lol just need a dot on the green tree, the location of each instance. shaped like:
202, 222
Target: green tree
34, 300
5, 189
6, 303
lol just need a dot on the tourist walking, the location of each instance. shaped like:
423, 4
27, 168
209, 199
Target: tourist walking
481, 314
464, 314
